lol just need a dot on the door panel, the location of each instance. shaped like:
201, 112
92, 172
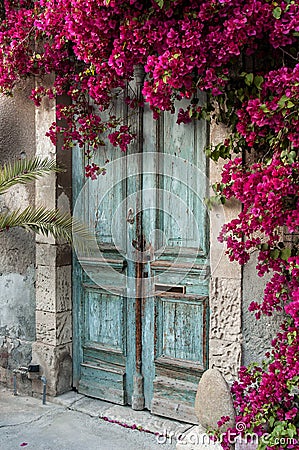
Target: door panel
104, 319
104, 348
175, 228
180, 353
180, 328
100, 296
140, 329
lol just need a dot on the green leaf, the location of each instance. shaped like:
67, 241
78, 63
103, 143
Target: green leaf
165, 77
47, 222
292, 430
285, 253
265, 108
240, 94
271, 421
277, 12
258, 81
23, 171
283, 100
249, 79
274, 253
291, 337
292, 156
160, 3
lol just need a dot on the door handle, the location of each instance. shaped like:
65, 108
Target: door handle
130, 216
124, 266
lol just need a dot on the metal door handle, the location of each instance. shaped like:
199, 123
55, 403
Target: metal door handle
130, 216
124, 266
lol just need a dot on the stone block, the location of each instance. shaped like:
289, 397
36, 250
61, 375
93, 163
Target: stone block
46, 192
213, 401
46, 186
44, 116
46, 288
56, 365
53, 288
53, 328
225, 309
53, 255
40, 238
218, 132
46, 327
46, 254
64, 288
221, 267
226, 357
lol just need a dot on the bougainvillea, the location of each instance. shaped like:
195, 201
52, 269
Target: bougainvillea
244, 55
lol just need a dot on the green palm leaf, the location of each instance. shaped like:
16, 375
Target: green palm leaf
23, 171
45, 221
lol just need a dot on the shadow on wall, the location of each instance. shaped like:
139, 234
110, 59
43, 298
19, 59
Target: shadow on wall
17, 255
257, 334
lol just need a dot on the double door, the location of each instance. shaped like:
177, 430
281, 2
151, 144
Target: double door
141, 293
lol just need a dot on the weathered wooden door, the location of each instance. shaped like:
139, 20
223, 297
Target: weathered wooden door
141, 298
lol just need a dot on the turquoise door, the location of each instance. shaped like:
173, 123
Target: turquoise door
141, 298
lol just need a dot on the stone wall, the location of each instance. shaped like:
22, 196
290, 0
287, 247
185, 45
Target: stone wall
17, 255
53, 347
225, 343
35, 273
236, 337
257, 334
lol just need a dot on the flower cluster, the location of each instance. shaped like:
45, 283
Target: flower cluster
268, 192
93, 46
266, 397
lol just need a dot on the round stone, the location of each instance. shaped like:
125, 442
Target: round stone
214, 400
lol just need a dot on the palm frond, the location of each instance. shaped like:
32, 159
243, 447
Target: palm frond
23, 171
47, 222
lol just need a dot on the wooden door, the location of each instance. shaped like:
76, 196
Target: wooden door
141, 299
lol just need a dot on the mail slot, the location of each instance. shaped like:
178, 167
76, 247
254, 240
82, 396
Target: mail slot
170, 288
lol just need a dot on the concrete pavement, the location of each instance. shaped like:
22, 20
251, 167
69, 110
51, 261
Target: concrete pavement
75, 422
